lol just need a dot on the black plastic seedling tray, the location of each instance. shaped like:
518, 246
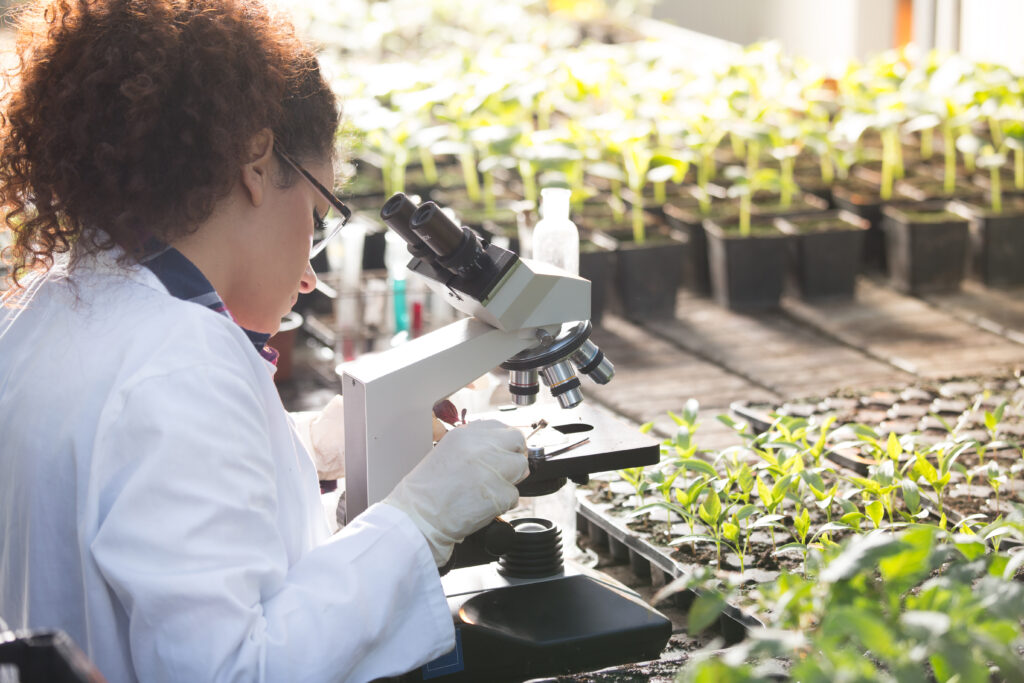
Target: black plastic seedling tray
650, 562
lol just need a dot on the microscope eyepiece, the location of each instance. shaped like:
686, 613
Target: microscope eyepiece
440, 233
397, 214
458, 249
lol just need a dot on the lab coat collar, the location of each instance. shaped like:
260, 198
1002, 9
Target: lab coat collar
109, 262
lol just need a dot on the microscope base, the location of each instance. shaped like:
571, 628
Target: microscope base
553, 626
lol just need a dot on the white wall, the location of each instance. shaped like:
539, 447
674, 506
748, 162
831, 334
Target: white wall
990, 30
828, 31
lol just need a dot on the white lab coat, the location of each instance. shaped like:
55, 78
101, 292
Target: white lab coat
156, 503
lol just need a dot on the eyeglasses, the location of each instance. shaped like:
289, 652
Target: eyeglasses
335, 203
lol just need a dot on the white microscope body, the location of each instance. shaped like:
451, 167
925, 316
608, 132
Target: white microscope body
389, 397
518, 610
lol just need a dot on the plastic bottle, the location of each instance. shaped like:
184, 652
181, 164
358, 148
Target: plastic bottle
555, 238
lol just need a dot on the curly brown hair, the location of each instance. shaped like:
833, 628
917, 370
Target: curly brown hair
131, 118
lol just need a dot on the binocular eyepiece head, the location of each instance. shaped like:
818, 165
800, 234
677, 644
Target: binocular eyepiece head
436, 238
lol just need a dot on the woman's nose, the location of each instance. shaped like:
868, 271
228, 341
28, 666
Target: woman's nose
308, 282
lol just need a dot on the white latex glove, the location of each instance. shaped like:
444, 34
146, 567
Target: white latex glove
463, 483
323, 434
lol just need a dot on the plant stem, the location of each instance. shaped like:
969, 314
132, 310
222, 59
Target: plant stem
576, 183
1018, 168
398, 178
745, 208
617, 196
660, 193
400, 161
429, 167
703, 178
995, 131
638, 220
828, 172
529, 181
737, 145
468, 161
927, 143
897, 154
969, 159
888, 166
490, 205
997, 192
949, 151
753, 157
543, 112
387, 173
786, 192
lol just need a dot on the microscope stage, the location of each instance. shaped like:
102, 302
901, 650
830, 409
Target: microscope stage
611, 444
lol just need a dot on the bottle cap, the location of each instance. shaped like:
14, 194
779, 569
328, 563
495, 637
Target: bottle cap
554, 203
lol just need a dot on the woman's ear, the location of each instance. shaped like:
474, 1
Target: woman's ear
256, 171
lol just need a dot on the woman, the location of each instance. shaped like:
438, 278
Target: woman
163, 171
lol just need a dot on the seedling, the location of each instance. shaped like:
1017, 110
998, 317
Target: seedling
637, 478
993, 162
745, 186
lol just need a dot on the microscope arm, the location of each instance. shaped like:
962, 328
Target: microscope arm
389, 400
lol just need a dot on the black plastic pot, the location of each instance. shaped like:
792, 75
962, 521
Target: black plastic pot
926, 247
924, 188
647, 275
810, 182
862, 199
996, 241
747, 273
597, 264
827, 252
685, 216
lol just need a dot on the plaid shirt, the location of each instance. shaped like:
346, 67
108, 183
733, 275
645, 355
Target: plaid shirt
184, 281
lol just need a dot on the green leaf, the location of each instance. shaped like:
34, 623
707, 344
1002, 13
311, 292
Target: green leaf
767, 520
646, 427
710, 509
999, 411
699, 466
893, 448
704, 612
853, 519
745, 512
861, 554
925, 468
970, 547
802, 523
661, 174
1014, 564
911, 496
935, 624
690, 410
830, 527
794, 546
875, 510
814, 480
780, 487
730, 531
764, 493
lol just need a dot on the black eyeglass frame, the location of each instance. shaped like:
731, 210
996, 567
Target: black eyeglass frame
336, 204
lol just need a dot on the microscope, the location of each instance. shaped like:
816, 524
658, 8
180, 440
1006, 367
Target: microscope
520, 611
